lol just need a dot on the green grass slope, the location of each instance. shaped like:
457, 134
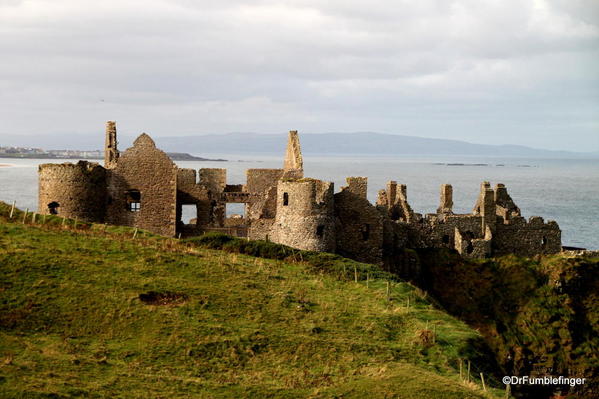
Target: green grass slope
93, 312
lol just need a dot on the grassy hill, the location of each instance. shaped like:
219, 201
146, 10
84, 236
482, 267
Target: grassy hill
92, 311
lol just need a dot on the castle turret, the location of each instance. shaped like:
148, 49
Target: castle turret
73, 190
305, 215
111, 153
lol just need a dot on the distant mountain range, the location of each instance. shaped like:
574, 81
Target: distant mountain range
366, 143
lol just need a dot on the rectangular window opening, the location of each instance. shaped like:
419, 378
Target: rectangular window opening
235, 210
133, 198
189, 213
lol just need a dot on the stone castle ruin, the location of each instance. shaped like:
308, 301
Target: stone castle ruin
142, 187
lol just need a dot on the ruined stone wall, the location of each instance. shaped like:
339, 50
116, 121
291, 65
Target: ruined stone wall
440, 232
395, 199
189, 192
357, 186
262, 184
472, 248
261, 229
505, 206
305, 215
73, 190
150, 171
359, 227
142, 187
527, 238
215, 181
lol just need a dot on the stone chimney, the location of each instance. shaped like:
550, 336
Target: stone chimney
111, 153
446, 199
293, 156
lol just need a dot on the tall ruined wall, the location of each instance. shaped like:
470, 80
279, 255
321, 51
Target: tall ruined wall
305, 215
293, 156
395, 199
440, 232
262, 184
215, 181
111, 153
262, 208
149, 171
524, 238
73, 190
189, 192
359, 224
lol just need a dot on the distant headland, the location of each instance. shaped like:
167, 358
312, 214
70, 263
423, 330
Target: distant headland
38, 153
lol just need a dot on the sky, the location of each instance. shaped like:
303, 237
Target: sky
485, 71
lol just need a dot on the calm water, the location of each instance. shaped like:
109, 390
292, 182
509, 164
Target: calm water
563, 190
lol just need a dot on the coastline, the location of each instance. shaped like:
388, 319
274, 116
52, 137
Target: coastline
6, 165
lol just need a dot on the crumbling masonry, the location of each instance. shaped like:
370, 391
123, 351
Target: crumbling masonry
142, 187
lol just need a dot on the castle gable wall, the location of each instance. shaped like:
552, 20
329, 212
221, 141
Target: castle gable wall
145, 169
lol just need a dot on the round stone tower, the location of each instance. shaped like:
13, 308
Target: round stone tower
73, 190
305, 216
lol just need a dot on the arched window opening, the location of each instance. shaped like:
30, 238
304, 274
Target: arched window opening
469, 236
53, 208
285, 199
320, 230
543, 241
446, 239
133, 198
470, 247
365, 232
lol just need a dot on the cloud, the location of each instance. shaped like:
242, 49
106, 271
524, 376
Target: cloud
488, 71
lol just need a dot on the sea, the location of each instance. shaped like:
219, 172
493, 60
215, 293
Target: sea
564, 190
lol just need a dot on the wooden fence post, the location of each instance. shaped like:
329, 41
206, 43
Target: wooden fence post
25, 214
12, 209
482, 379
468, 370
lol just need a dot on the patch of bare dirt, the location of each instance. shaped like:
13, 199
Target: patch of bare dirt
163, 298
